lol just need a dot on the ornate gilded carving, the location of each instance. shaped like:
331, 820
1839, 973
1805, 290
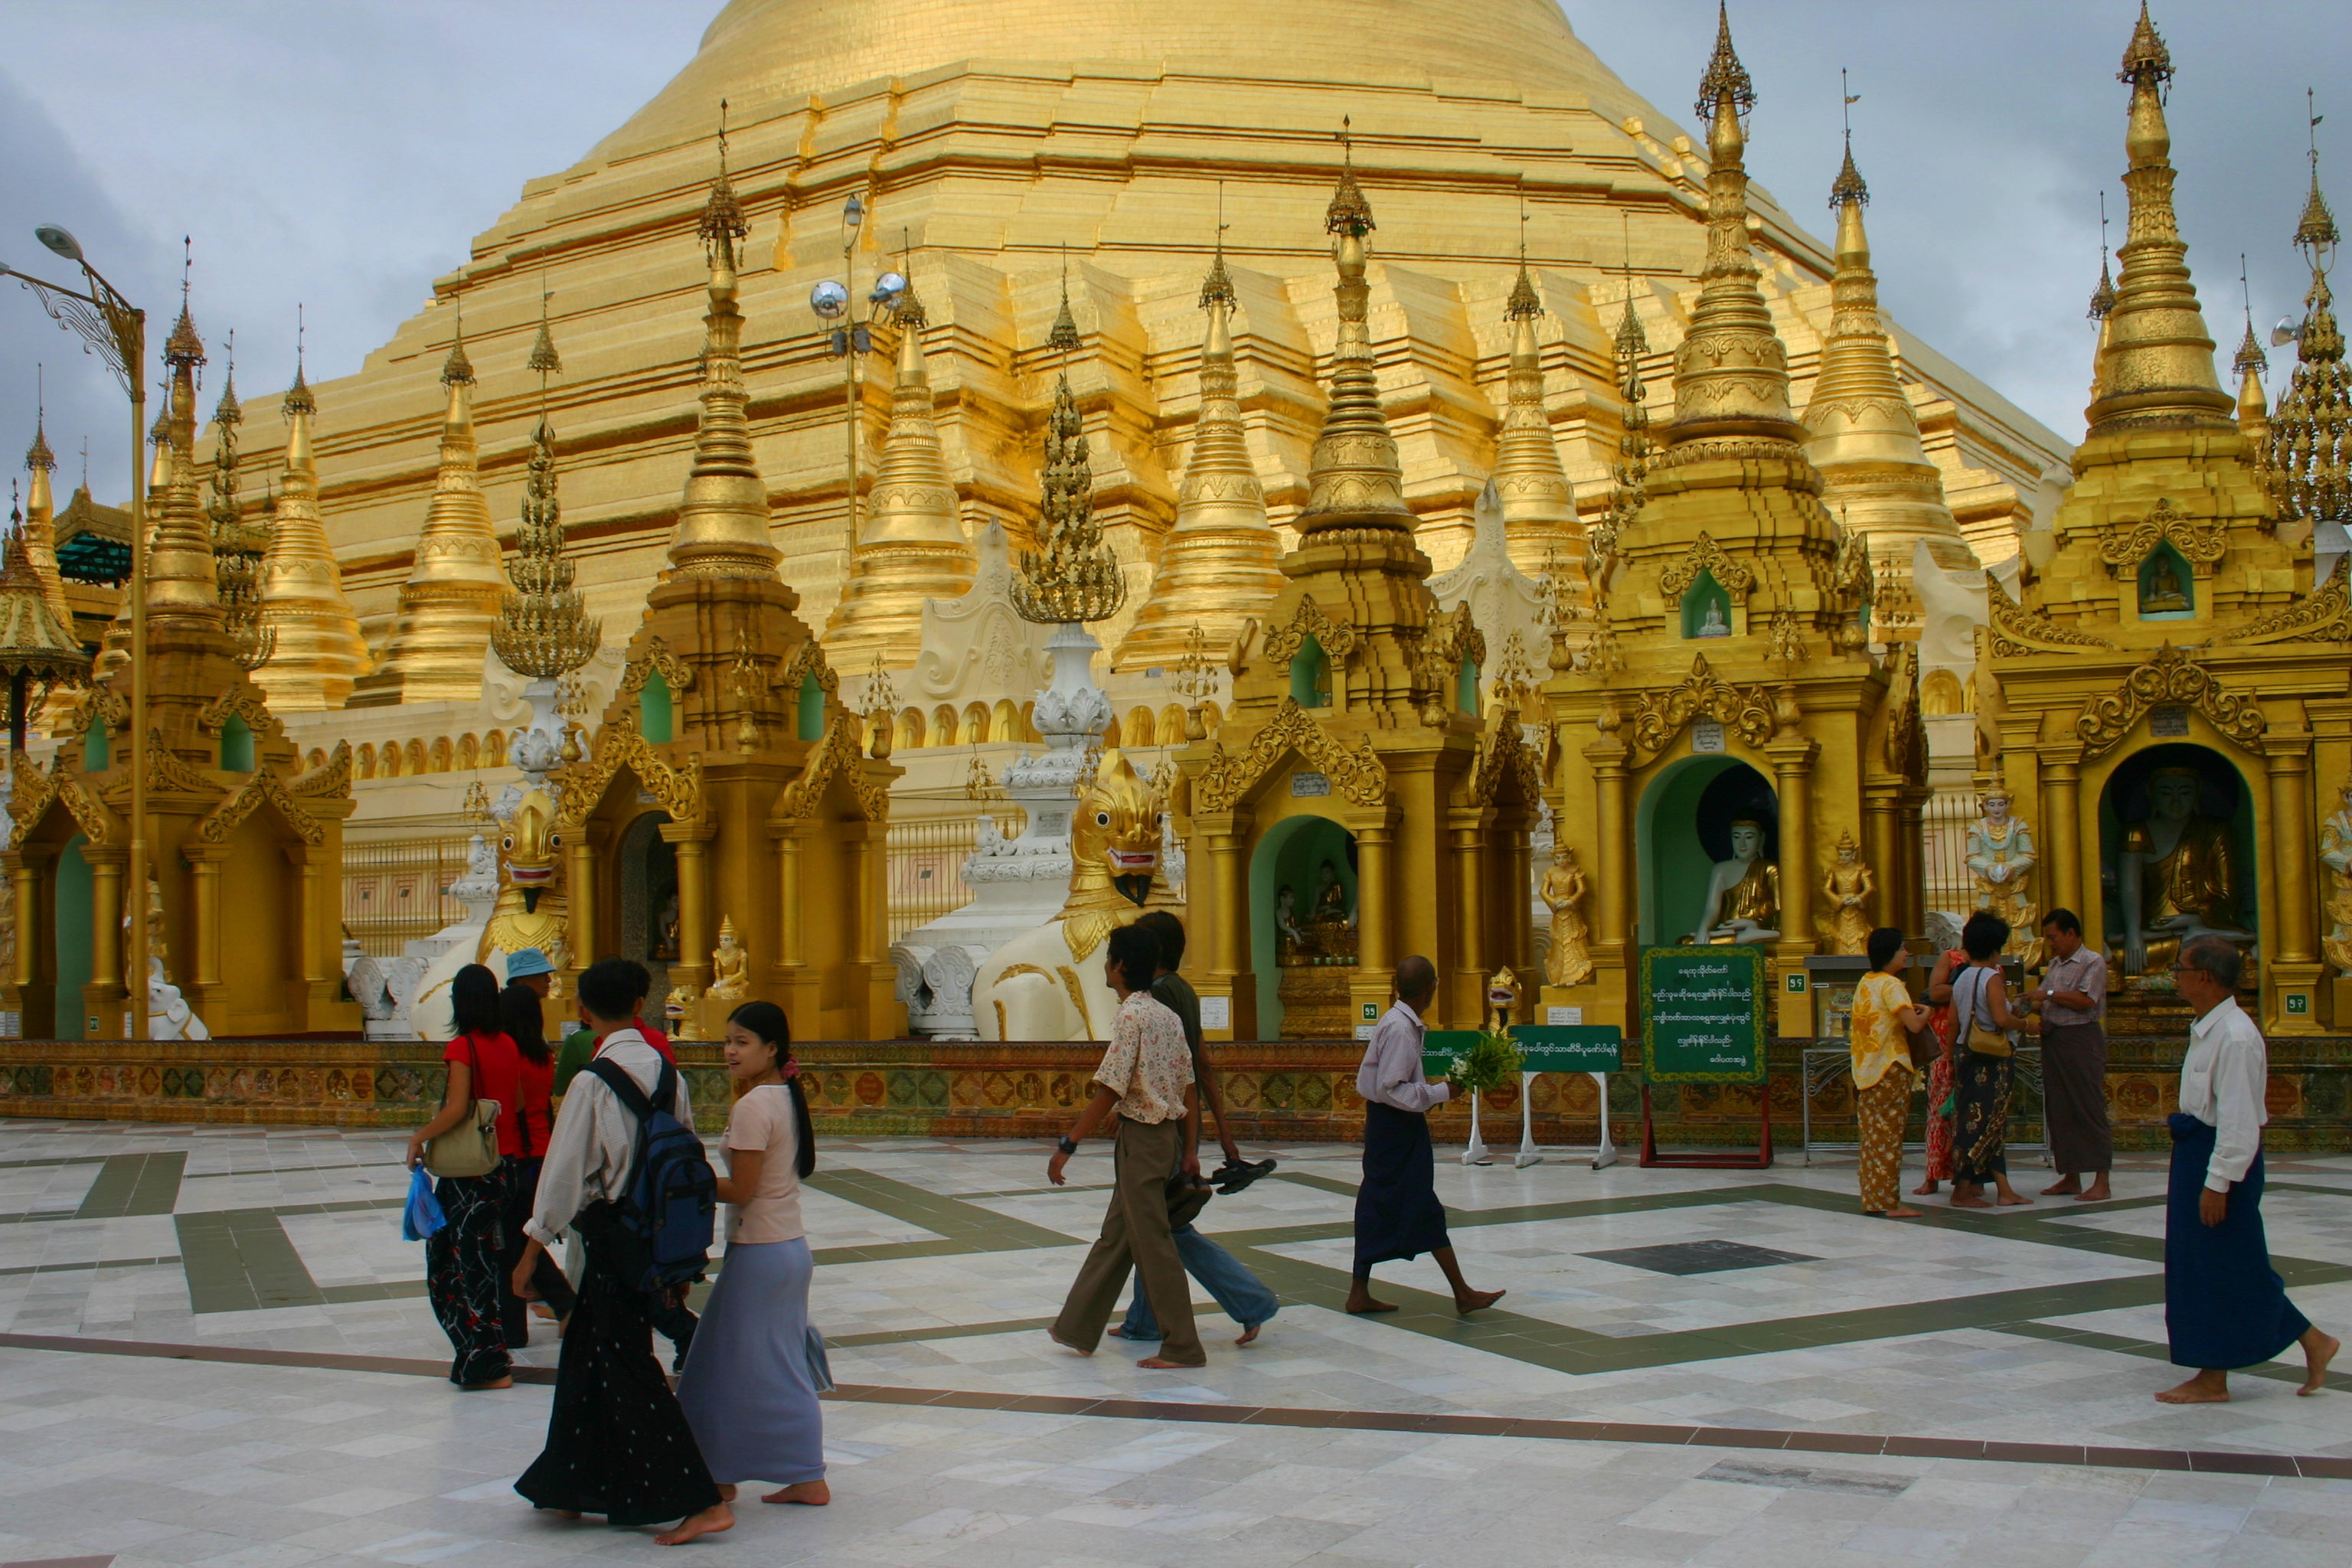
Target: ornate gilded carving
1907, 733
1660, 716
1503, 755
2016, 630
329, 780
1357, 775
2325, 617
2169, 677
1339, 639
677, 791
806, 658
166, 770
837, 751
2128, 545
677, 672
226, 817
245, 702
1705, 556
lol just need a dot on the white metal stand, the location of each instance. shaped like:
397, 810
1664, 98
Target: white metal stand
1605, 1154
1474, 1153
1527, 1155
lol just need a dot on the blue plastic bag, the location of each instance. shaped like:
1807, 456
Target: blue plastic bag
421, 1216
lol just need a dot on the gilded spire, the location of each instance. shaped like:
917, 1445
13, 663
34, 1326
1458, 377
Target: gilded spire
182, 587
914, 547
722, 523
1538, 504
1217, 565
37, 643
1731, 374
1629, 475
41, 516
1073, 576
450, 600
1354, 477
2310, 451
2250, 365
236, 547
2156, 364
316, 649
543, 630
1860, 432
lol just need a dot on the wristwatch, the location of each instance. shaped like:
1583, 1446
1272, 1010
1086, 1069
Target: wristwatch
1070, 1145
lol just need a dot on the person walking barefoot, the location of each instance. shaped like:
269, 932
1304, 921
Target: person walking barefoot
1984, 1072
2224, 1305
1398, 1215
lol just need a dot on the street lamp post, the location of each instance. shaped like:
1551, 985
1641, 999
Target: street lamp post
116, 331
853, 339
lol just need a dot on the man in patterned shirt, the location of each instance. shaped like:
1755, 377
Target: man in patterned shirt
1146, 1076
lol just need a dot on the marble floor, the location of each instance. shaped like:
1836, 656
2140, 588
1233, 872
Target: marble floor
215, 1349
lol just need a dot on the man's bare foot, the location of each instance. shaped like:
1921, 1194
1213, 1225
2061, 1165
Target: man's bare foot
1472, 1300
1161, 1363
1065, 1345
1363, 1301
1249, 1333
485, 1384
2062, 1186
1926, 1189
2010, 1200
1900, 1210
2318, 1350
709, 1521
2097, 1191
726, 1492
808, 1494
2212, 1388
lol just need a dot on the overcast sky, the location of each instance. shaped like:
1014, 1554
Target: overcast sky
345, 153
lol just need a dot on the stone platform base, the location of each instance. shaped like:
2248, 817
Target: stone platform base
1276, 1090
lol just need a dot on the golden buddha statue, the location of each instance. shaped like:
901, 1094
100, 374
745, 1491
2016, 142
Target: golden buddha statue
1743, 897
2176, 875
1569, 960
2335, 855
1849, 888
730, 966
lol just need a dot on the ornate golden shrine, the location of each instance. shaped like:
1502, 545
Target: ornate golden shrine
237, 832
1355, 703
2170, 621
728, 726
1726, 676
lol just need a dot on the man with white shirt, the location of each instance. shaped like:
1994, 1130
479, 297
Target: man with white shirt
617, 1443
1397, 1212
2224, 1305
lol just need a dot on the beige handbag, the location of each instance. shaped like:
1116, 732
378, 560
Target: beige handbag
470, 1148
1983, 1040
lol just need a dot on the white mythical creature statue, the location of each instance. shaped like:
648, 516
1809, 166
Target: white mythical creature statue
1047, 984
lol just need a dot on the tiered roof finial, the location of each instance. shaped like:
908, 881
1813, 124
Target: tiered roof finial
237, 548
1524, 304
2309, 454
1217, 287
298, 399
457, 370
1075, 577
2146, 59
37, 457
2251, 358
724, 222
1849, 185
2102, 298
543, 630
1725, 76
183, 347
1349, 213
1354, 477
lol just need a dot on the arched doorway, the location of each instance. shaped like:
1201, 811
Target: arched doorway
1306, 977
2176, 833
70, 933
1684, 830
647, 888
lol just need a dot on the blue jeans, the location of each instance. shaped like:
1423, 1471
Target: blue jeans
1245, 1300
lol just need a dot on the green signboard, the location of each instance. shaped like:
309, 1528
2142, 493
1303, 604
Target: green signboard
1704, 1015
1440, 1048
1569, 1048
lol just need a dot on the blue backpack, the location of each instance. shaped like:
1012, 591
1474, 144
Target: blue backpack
660, 1227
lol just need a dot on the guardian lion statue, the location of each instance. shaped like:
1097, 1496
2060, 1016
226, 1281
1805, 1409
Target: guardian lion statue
1048, 984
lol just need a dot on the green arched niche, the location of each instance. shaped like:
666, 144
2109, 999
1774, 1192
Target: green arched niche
1465, 686
1682, 828
70, 932
1706, 608
1290, 851
811, 717
1311, 678
93, 747
235, 746
655, 708
2168, 588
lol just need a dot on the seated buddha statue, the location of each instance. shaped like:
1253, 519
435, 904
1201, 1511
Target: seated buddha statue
1743, 897
2176, 876
1331, 929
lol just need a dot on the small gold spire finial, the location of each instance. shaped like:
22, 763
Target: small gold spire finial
724, 222
1217, 287
183, 347
457, 369
2315, 235
542, 630
2146, 59
297, 396
1725, 76
2251, 358
37, 455
1063, 338
2102, 298
1524, 304
2308, 453
543, 357
1849, 185
1349, 213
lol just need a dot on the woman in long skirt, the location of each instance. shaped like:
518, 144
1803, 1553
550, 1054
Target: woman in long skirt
1881, 1072
1943, 1022
462, 1274
751, 1379
1983, 1077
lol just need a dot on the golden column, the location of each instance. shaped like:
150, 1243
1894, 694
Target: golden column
2288, 754
1540, 523
451, 599
1793, 775
1218, 564
1469, 978
912, 547
317, 651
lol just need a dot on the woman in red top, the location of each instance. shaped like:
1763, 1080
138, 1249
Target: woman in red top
461, 1260
1944, 1024
520, 1018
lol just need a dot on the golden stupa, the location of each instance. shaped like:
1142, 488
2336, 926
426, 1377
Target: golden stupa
987, 140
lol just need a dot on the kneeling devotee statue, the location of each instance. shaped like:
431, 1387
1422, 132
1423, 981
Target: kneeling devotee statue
1743, 897
2176, 876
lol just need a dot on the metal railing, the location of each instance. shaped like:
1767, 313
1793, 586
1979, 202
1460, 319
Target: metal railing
1944, 850
393, 891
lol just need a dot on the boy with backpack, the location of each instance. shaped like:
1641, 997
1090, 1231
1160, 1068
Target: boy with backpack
625, 1169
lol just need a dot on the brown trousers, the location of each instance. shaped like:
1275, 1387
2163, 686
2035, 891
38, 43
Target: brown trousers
1135, 1235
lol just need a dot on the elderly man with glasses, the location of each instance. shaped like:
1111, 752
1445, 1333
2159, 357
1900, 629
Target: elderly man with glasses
2224, 1305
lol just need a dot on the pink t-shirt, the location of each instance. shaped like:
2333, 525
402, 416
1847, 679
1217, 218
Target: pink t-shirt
762, 1119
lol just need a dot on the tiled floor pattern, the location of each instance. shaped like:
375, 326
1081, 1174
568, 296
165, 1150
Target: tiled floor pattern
1612, 1410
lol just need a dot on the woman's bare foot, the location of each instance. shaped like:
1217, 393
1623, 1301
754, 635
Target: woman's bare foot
1361, 1299
808, 1494
1249, 1333
726, 1492
2062, 1186
541, 1310
709, 1521
1926, 1189
1472, 1300
2210, 1387
2318, 1350
2096, 1193
1969, 1200
485, 1384
1900, 1210
2011, 1198
1065, 1345
1161, 1363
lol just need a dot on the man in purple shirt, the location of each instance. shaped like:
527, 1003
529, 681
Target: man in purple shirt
1397, 1210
